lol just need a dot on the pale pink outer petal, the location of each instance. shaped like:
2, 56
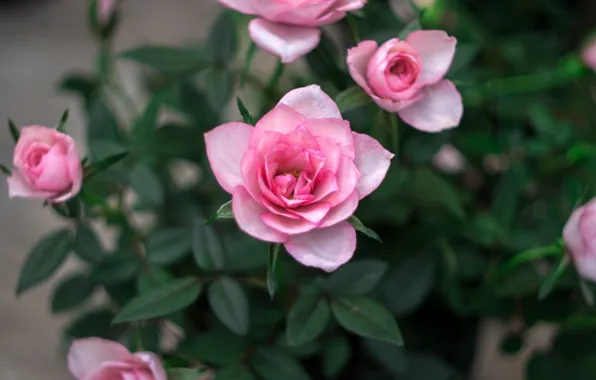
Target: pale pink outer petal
589, 54
583, 257
342, 211
440, 108
281, 119
336, 129
242, 6
288, 42
29, 135
436, 50
325, 248
87, 355
349, 5
226, 145
357, 60
314, 212
54, 171
75, 172
154, 364
123, 370
287, 225
396, 106
19, 187
311, 102
247, 213
372, 161
347, 177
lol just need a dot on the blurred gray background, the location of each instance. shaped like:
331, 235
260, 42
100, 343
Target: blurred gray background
40, 40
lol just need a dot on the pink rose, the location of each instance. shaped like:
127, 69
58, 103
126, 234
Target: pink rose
589, 54
99, 359
105, 9
298, 175
47, 165
449, 159
579, 234
290, 28
407, 77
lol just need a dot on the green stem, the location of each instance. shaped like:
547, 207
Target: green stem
566, 71
394, 132
353, 27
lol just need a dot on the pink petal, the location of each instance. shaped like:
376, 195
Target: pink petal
288, 42
588, 54
311, 102
331, 149
342, 211
54, 171
154, 364
436, 50
287, 225
249, 168
325, 248
587, 226
357, 60
292, 13
226, 145
242, 6
325, 186
347, 177
281, 119
247, 213
572, 235
372, 161
440, 108
336, 129
313, 212
19, 187
349, 5
87, 355
274, 208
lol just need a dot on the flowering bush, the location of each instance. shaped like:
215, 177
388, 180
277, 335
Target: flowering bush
356, 217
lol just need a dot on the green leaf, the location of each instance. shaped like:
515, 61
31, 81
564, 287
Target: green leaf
357, 224
273, 268
161, 300
428, 187
14, 131
553, 277
219, 86
229, 304
250, 55
147, 184
506, 196
183, 374
83, 85
145, 126
392, 357
169, 60
61, 127
335, 356
95, 323
236, 372
224, 212
586, 291
87, 246
323, 61
356, 278
366, 318
411, 27
168, 246
44, 259
5, 170
271, 364
352, 98
102, 123
426, 367
307, 319
104, 164
70, 209
554, 250
207, 248
216, 347
71, 292
246, 116
153, 278
116, 268
223, 39
409, 283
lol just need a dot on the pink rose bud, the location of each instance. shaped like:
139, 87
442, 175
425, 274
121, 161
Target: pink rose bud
47, 165
289, 29
579, 234
589, 54
99, 359
105, 9
407, 77
449, 159
298, 175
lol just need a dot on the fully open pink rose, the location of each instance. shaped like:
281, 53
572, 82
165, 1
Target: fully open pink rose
298, 175
407, 77
589, 54
290, 28
579, 234
47, 165
99, 359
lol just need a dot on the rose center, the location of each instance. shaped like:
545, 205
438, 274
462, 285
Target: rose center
35, 156
405, 71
